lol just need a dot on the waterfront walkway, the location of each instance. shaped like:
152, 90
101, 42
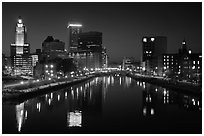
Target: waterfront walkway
34, 87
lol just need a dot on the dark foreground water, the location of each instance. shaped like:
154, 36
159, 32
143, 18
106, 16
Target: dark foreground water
109, 104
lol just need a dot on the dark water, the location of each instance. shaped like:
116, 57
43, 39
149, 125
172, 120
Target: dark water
106, 105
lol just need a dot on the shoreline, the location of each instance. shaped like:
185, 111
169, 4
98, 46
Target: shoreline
20, 95
174, 86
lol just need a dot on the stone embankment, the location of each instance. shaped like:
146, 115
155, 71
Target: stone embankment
43, 87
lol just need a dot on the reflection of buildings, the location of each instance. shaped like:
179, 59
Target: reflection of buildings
20, 51
74, 119
21, 115
148, 101
155, 99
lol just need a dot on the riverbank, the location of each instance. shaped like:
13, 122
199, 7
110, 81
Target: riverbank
176, 86
21, 94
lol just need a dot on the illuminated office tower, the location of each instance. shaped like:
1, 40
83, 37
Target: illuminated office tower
20, 51
74, 31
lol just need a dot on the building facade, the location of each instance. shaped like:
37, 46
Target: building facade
20, 51
184, 65
90, 53
53, 48
74, 30
153, 48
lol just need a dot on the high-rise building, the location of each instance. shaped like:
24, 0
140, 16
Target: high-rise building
74, 30
53, 48
153, 48
89, 52
20, 51
90, 41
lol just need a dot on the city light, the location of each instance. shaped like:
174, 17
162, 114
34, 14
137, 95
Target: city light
144, 39
51, 66
74, 25
46, 66
20, 21
152, 39
22, 82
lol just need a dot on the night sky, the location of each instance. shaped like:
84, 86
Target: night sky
123, 24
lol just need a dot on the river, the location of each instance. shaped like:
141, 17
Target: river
110, 104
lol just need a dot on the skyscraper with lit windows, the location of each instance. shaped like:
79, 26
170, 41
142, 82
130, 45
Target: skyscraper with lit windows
74, 30
20, 51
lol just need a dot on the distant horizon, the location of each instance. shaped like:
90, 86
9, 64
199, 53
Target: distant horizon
123, 24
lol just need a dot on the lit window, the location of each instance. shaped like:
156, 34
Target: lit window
198, 62
193, 62
164, 59
164, 56
167, 60
167, 56
144, 39
152, 39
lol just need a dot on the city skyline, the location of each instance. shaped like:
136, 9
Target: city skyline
123, 24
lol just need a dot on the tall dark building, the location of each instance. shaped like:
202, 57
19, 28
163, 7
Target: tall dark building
90, 40
153, 48
74, 31
20, 51
53, 48
90, 53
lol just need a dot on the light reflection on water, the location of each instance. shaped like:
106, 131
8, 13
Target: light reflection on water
91, 98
